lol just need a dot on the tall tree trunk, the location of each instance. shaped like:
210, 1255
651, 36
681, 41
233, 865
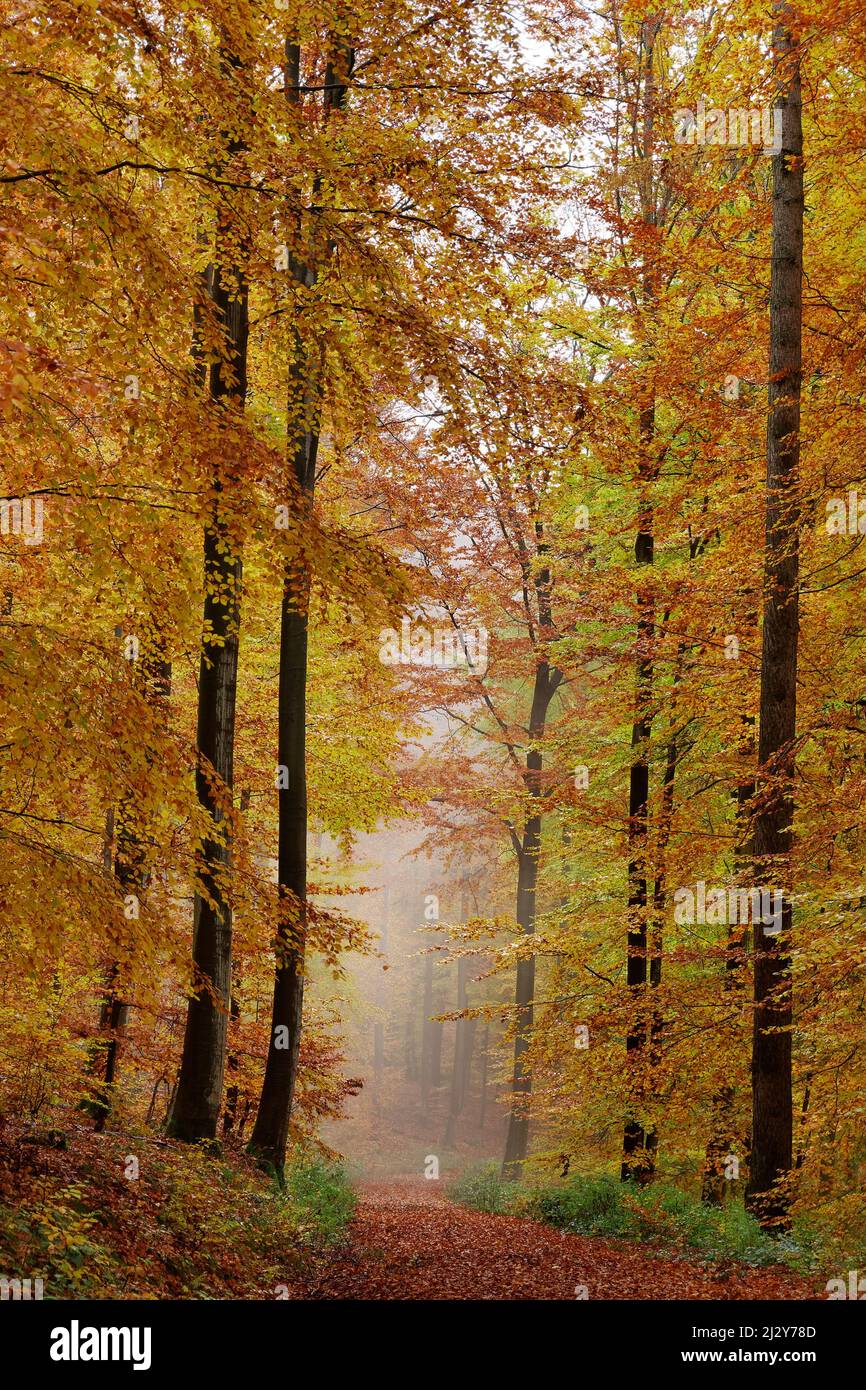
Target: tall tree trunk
528, 848
379, 1025
638, 1161
427, 1027
639, 1140
468, 1028
517, 1138
723, 1131
767, 1192
411, 1068
152, 675
436, 1038
271, 1129
233, 1061
91, 1103
485, 1058
656, 927
114, 1013
233, 1064
464, 1029
196, 1105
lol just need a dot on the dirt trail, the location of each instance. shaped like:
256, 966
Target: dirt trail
407, 1241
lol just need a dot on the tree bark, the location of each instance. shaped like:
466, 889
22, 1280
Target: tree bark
271, 1129
639, 1138
517, 1137
196, 1106
230, 1112
233, 1061
768, 1189
723, 1132
482, 1087
153, 678
411, 1069
436, 1035
463, 1037
638, 1162
427, 1027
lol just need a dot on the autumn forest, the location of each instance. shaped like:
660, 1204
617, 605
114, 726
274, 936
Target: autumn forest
432, 608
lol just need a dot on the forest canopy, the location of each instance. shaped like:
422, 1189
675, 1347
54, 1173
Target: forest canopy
432, 513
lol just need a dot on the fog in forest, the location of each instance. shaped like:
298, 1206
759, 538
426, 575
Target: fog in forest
430, 1099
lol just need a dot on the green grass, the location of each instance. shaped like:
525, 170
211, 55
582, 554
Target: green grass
320, 1199
662, 1214
482, 1189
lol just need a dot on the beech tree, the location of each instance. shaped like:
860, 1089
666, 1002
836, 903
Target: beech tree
771, 1157
469, 348
304, 408
198, 1098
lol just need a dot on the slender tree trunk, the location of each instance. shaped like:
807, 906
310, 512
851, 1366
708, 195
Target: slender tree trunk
379, 1025
427, 1027
656, 929
469, 1029
114, 1014
233, 1061
436, 1034
160, 1081
91, 1103
411, 1071
768, 1189
270, 1132
482, 1098
638, 1161
153, 679
517, 1137
547, 679
640, 1138
723, 1130
233, 1067
271, 1129
464, 1028
113, 1018
198, 1096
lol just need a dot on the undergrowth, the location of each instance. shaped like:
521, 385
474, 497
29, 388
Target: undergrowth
662, 1214
130, 1216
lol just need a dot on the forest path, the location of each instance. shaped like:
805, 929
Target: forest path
407, 1241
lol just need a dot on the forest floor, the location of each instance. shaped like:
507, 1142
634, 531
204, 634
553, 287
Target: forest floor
407, 1241
117, 1215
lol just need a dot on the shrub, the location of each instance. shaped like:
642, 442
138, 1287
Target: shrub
320, 1199
663, 1214
482, 1189
589, 1206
